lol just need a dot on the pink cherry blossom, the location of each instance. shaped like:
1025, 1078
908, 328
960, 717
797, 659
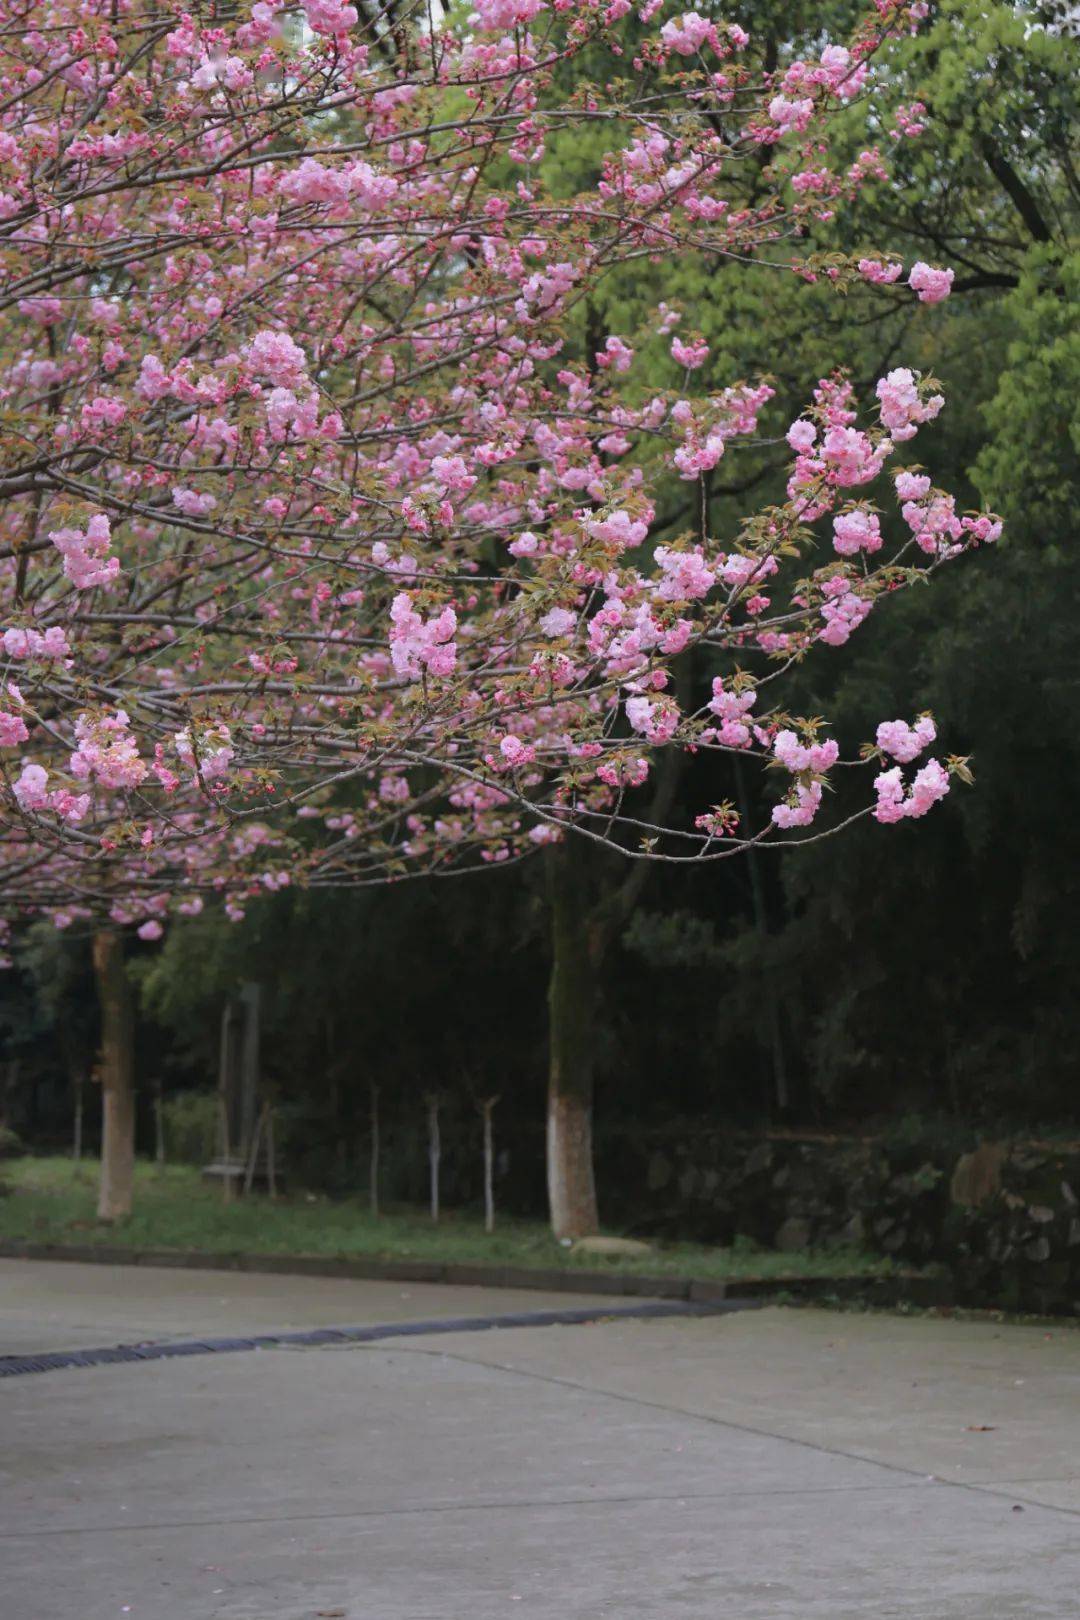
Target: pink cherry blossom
905, 742
931, 285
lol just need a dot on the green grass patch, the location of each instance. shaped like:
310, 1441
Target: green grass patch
53, 1201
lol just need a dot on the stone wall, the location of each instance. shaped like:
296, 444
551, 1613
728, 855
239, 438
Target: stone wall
1002, 1217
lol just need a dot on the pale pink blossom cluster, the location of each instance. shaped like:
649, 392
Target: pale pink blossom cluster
685, 574
13, 729
516, 753
843, 611
624, 772
206, 750
656, 719
800, 807
910, 120
86, 555
417, 644
903, 407
619, 529
32, 792
791, 115
856, 530
895, 802
191, 502
30, 643
276, 357
330, 16
903, 742
689, 33
692, 354
797, 756
107, 751
732, 709
503, 14
879, 273
931, 284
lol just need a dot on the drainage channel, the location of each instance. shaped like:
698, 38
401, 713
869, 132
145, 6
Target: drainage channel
111, 1355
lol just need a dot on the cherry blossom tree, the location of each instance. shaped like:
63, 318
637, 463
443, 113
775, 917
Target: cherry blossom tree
327, 511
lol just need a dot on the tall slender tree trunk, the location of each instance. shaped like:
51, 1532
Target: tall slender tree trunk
373, 1160
117, 1077
571, 1020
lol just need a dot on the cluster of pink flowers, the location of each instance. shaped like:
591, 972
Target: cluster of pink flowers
276, 357
878, 273
800, 807
856, 530
692, 354
514, 753
910, 120
13, 729
32, 792
788, 114
498, 15
685, 574
107, 751
619, 529
689, 33
797, 756
51, 643
904, 742
656, 719
86, 559
731, 709
209, 755
843, 611
329, 17
625, 772
903, 407
932, 285
417, 644
894, 803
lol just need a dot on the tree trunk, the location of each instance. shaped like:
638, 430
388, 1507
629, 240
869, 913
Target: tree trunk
159, 1124
571, 1010
487, 1108
77, 1084
373, 1160
434, 1153
117, 1086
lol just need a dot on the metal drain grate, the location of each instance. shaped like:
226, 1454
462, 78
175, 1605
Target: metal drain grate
55, 1360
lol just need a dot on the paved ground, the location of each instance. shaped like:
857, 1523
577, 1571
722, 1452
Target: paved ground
772, 1465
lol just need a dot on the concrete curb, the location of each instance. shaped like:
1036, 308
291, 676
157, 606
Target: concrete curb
909, 1288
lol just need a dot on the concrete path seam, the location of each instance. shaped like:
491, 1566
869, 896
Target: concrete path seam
490, 1506
989, 1489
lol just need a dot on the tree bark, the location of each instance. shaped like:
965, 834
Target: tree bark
571, 1009
77, 1081
117, 1083
434, 1153
373, 1160
487, 1108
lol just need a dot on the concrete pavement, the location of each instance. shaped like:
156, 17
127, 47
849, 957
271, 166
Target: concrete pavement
773, 1465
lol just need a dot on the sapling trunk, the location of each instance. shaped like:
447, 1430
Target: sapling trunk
76, 1146
373, 1161
159, 1125
434, 1153
486, 1109
572, 998
117, 1084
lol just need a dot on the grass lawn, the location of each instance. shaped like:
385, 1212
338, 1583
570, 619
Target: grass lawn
52, 1200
